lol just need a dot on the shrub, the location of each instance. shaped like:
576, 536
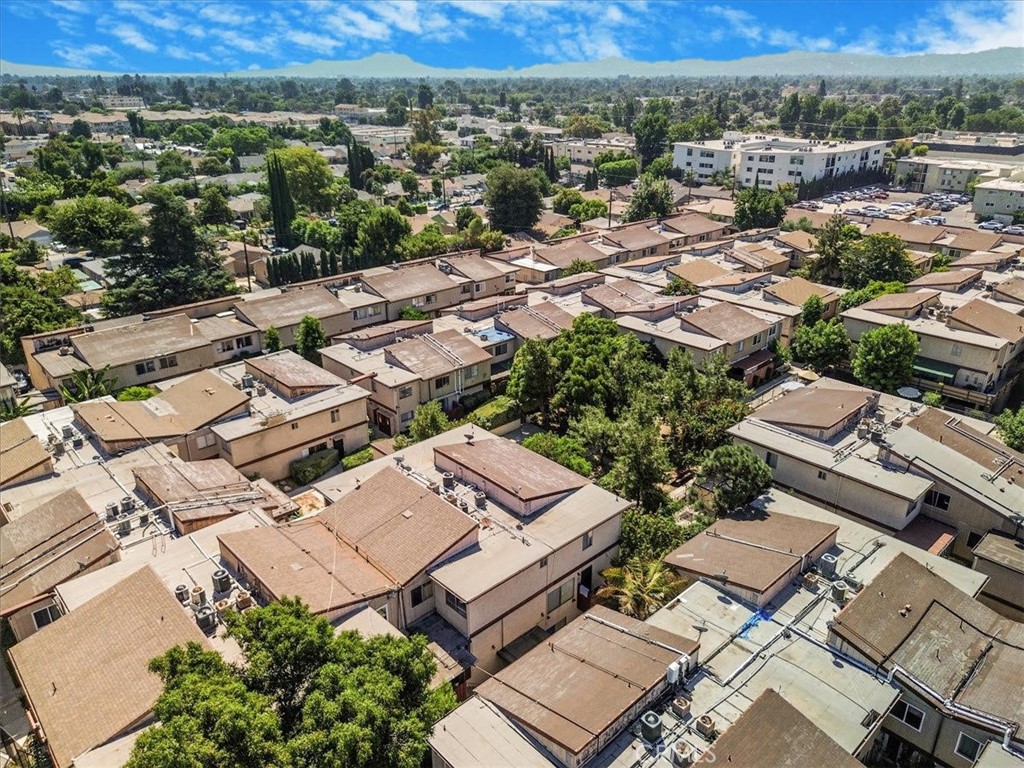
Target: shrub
135, 393
305, 471
358, 458
500, 410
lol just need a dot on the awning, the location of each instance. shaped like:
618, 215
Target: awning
758, 359
935, 369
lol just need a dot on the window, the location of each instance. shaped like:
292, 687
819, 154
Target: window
243, 341
171, 361
335, 415
45, 616
543, 562
407, 416
473, 371
442, 381
431, 298
905, 713
143, 368
559, 596
227, 346
500, 349
771, 459
822, 475
739, 347
464, 288
956, 350
689, 152
205, 441
973, 539
405, 392
967, 747
459, 606
422, 593
936, 499
757, 339
295, 425
510, 278
479, 287
588, 540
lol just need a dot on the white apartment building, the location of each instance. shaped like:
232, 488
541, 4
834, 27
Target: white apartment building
999, 198
776, 159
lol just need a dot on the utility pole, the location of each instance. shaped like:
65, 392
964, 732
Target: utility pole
3, 205
248, 274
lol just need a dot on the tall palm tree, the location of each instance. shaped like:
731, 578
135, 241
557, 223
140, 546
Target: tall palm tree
88, 384
690, 180
640, 587
18, 114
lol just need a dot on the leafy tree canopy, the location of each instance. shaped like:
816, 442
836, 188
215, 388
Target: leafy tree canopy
885, 357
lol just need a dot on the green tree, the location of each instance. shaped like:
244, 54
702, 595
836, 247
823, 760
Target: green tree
97, 224
25, 308
514, 199
881, 257
409, 312
640, 587
735, 475
1011, 427
758, 208
650, 133
424, 155
872, 290
173, 265
885, 357
282, 205
641, 464
15, 409
531, 379
652, 198
173, 165
87, 384
565, 199
379, 236
310, 338
310, 180
577, 267
618, 172
213, 206
465, 216
301, 696
272, 340
428, 420
134, 394
821, 346
566, 451
647, 536
834, 241
813, 310
80, 129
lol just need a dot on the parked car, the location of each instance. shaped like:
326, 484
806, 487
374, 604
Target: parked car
853, 212
992, 226
1013, 230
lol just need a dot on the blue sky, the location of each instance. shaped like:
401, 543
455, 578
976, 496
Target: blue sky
220, 35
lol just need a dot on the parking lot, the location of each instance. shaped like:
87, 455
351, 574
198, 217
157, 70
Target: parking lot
868, 203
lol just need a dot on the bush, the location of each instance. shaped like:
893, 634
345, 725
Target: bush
129, 394
360, 457
500, 410
305, 471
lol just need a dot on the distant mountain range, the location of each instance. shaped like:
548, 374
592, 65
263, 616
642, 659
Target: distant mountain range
999, 61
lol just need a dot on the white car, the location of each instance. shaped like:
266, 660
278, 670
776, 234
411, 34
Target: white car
993, 226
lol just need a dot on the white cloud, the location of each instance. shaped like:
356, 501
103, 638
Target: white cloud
177, 52
347, 21
966, 28
74, 6
129, 35
82, 56
228, 15
253, 67
312, 41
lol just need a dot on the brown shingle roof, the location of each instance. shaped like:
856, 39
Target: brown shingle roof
899, 301
292, 370
397, 523
697, 271
177, 483
287, 309
559, 689
798, 240
987, 318
20, 450
101, 684
814, 407
138, 341
408, 282
437, 354
954, 279
541, 321
48, 545
563, 254
513, 468
772, 733
796, 290
692, 224
726, 322
305, 560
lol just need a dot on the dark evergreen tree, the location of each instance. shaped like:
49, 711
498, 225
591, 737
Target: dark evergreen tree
282, 205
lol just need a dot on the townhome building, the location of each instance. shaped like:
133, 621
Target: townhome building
485, 277
972, 353
421, 286
403, 374
999, 198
